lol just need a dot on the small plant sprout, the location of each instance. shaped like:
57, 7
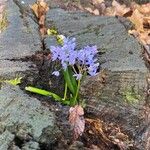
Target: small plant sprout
14, 81
75, 64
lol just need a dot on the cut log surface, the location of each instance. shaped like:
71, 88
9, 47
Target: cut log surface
121, 99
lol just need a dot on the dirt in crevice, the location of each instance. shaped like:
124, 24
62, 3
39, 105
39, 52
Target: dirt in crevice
18, 142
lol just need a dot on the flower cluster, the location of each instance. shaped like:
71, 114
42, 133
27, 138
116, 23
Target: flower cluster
84, 58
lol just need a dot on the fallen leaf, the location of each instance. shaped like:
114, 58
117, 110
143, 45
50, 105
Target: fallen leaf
97, 1
134, 33
42, 20
110, 11
145, 38
76, 120
120, 10
102, 8
34, 7
96, 12
144, 9
40, 9
89, 9
137, 20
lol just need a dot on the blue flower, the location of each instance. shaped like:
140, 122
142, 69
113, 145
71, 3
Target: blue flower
68, 55
92, 70
56, 73
55, 51
81, 56
72, 58
78, 76
64, 65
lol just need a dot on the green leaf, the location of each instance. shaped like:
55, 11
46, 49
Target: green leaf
68, 78
72, 101
42, 92
72, 78
52, 32
46, 93
15, 81
59, 39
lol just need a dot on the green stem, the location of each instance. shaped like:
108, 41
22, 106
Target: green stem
65, 92
77, 92
74, 69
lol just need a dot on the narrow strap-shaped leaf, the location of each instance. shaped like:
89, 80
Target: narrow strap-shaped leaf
46, 93
69, 81
72, 78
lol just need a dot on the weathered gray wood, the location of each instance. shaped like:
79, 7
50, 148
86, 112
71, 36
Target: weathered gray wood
19, 40
121, 99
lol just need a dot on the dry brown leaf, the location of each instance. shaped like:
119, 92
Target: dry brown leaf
144, 9
40, 8
141, 19
97, 1
145, 38
117, 9
88, 9
146, 22
134, 33
96, 12
42, 20
120, 10
110, 11
102, 8
34, 7
76, 120
137, 20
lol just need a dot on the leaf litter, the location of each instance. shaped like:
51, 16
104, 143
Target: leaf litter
101, 136
40, 9
77, 121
